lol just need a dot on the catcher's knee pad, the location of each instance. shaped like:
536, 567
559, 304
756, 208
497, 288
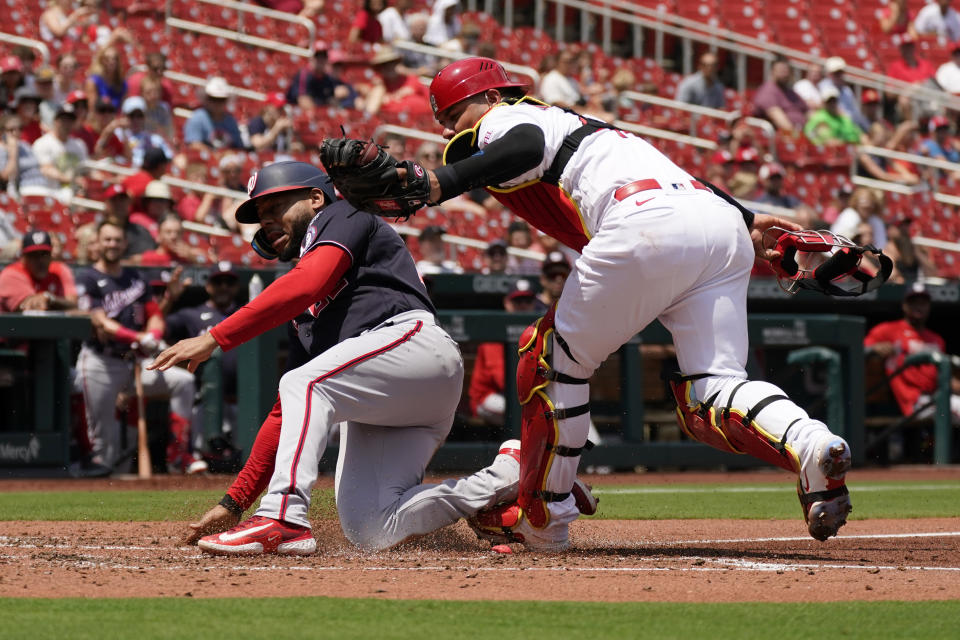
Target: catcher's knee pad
555, 420
730, 429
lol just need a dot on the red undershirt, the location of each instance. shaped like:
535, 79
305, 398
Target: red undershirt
288, 296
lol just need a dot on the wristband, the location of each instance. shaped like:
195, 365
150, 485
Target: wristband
231, 505
124, 334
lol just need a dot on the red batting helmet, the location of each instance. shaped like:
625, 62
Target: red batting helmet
464, 78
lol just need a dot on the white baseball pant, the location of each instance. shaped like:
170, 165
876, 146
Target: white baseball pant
101, 378
395, 388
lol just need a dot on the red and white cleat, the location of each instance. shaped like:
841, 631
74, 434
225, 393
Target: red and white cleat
822, 488
258, 535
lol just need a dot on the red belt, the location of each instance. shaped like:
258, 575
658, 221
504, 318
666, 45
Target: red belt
636, 186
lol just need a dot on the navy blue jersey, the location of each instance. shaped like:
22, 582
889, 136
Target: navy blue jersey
123, 298
190, 322
382, 280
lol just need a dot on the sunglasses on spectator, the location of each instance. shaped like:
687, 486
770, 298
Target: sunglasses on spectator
13, 129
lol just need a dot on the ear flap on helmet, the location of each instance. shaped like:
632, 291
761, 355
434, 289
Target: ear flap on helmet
262, 246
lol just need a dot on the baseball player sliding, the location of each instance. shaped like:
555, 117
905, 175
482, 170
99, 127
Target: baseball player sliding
376, 360
655, 243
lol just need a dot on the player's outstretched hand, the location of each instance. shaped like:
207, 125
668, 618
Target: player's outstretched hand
761, 223
213, 521
196, 350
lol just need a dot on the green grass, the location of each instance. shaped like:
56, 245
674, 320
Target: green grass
870, 500
363, 618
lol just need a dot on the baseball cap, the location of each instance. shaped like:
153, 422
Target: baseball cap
223, 269
154, 157
76, 96
916, 290
279, 177
11, 63
938, 122
276, 99
829, 93
520, 289
555, 261
115, 190
66, 110
497, 246
25, 93
320, 46
44, 74
384, 56
133, 103
721, 156
769, 170
158, 190
869, 96
36, 240
834, 64
217, 88
747, 154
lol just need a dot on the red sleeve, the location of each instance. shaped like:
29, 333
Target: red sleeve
881, 333
255, 475
360, 20
487, 374
288, 296
67, 283
15, 287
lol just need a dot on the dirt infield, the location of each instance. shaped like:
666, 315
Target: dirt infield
645, 560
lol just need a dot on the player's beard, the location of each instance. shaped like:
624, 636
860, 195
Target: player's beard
297, 231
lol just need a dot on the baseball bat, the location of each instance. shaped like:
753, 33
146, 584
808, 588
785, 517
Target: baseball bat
144, 468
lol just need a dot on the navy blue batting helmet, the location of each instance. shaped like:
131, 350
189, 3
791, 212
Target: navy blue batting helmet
278, 177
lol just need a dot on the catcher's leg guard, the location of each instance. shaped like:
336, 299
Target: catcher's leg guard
735, 428
555, 421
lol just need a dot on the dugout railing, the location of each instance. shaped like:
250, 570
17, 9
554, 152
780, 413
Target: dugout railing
39, 436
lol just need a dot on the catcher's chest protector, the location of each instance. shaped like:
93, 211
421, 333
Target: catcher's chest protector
548, 208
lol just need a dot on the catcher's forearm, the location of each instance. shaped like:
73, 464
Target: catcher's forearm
518, 151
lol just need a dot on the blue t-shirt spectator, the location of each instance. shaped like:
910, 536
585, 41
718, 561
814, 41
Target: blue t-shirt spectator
221, 134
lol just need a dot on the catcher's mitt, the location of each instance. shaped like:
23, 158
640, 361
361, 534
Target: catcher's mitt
366, 176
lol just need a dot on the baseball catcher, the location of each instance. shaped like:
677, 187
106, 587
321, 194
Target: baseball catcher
368, 178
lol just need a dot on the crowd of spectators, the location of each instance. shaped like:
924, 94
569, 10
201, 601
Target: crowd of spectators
119, 107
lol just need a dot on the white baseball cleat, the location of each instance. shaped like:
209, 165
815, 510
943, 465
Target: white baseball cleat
822, 489
258, 535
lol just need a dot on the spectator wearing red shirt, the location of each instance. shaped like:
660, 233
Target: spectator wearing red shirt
171, 247
910, 67
156, 64
82, 130
897, 339
366, 27
26, 102
36, 282
395, 92
487, 401
155, 163
110, 146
